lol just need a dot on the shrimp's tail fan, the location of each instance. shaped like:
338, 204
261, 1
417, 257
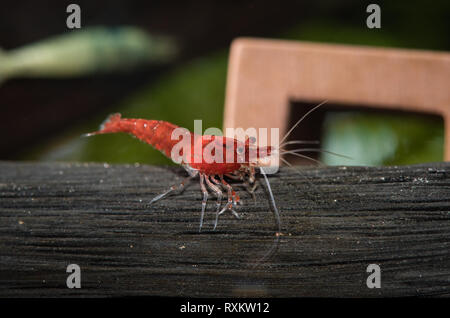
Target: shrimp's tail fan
110, 125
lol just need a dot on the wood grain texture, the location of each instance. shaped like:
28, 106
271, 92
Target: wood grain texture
336, 221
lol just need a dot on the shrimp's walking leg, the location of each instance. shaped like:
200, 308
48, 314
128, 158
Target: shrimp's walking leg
172, 188
205, 198
251, 177
232, 199
250, 183
218, 184
218, 193
254, 181
232, 196
251, 188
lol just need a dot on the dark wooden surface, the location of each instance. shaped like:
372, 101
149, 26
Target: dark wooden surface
97, 216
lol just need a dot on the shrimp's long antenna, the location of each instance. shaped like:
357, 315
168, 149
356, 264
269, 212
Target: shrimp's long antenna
305, 157
315, 150
300, 120
316, 142
277, 219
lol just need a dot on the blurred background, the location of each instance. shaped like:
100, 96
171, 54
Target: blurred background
168, 61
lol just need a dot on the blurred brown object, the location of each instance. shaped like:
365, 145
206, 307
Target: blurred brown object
264, 76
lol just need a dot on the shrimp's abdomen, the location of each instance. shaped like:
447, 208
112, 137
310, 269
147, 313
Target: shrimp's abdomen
156, 133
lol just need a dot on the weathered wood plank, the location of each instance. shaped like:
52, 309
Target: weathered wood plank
97, 216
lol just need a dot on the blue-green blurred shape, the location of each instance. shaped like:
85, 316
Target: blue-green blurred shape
87, 51
382, 139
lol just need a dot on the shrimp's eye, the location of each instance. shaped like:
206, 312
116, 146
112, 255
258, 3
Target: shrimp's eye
252, 140
240, 150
